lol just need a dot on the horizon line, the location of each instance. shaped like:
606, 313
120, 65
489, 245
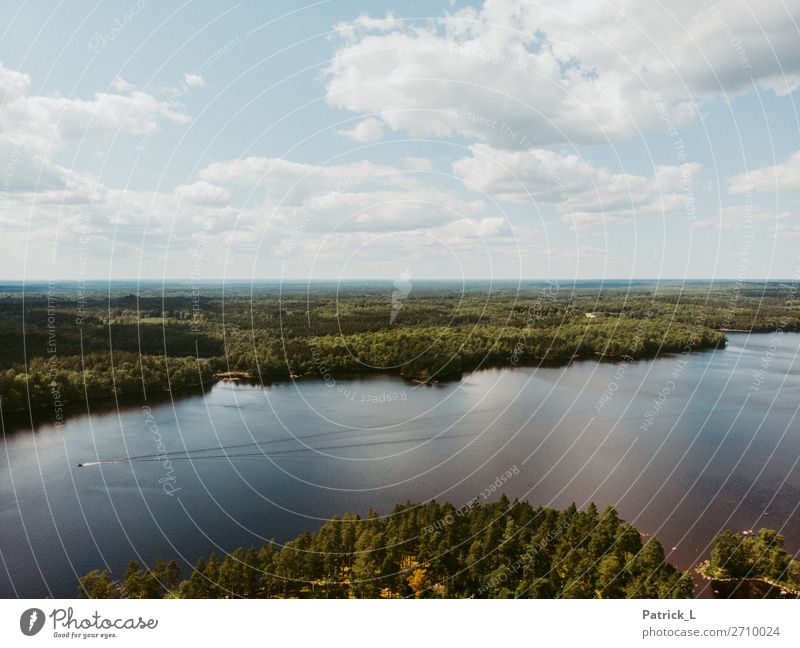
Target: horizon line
375, 279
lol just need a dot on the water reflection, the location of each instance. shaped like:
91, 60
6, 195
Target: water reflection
683, 446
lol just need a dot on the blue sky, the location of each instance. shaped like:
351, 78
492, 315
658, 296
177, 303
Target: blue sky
496, 139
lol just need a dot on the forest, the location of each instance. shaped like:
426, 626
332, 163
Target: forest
481, 550
753, 556
60, 345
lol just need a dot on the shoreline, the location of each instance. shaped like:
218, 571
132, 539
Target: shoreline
245, 377
785, 590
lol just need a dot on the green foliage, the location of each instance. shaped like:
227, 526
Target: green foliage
69, 379
54, 349
158, 582
496, 550
98, 585
761, 556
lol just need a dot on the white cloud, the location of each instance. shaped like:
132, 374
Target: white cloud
383, 210
13, 84
736, 218
353, 197
121, 85
349, 31
203, 193
293, 182
193, 80
518, 73
583, 193
50, 120
495, 228
33, 128
47, 209
366, 131
780, 177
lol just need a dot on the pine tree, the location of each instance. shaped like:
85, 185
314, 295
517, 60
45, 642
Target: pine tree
97, 585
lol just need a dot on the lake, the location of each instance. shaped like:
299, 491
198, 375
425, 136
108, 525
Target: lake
684, 446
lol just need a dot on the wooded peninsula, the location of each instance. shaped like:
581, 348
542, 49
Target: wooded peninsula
489, 550
63, 345
485, 550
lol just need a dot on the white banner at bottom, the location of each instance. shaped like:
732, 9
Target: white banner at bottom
403, 623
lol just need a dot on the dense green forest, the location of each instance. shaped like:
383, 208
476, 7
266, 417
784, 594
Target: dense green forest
60, 345
753, 556
495, 550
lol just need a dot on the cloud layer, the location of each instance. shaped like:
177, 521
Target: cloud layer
584, 194
508, 125
515, 73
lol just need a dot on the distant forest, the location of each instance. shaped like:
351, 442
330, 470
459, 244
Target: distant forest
58, 346
494, 550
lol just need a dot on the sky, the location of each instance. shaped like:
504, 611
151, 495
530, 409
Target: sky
502, 139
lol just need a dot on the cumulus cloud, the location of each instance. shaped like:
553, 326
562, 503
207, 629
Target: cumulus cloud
33, 128
366, 131
737, 218
494, 228
44, 203
193, 80
341, 204
385, 210
357, 196
291, 182
53, 118
515, 73
203, 193
583, 193
780, 177
121, 85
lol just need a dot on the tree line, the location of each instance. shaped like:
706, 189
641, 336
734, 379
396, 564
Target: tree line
760, 555
57, 381
491, 550
273, 333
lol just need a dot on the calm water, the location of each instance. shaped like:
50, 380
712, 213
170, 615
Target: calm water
718, 449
